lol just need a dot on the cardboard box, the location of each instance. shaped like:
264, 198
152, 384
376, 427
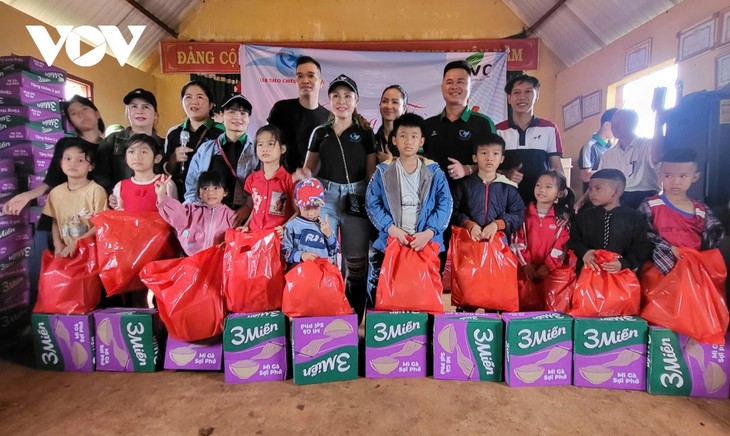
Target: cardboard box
324, 349
538, 349
31, 132
128, 340
15, 291
16, 234
396, 344
14, 319
468, 346
19, 96
15, 115
20, 148
32, 81
28, 63
14, 269
204, 355
63, 342
8, 184
12, 251
254, 347
610, 352
679, 365
34, 214
34, 181
7, 167
32, 166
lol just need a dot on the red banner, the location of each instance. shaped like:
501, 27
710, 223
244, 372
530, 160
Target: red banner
222, 57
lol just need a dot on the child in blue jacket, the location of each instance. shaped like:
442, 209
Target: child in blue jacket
407, 198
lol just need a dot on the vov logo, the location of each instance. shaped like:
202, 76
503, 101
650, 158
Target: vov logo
98, 38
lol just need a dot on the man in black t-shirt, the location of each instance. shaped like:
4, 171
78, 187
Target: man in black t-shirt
297, 117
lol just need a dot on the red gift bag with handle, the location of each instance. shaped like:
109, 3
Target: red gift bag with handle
484, 274
315, 288
691, 299
600, 293
69, 285
558, 287
410, 279
253, 272
188, 294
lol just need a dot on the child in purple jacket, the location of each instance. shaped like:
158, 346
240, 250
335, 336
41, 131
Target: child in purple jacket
198, 226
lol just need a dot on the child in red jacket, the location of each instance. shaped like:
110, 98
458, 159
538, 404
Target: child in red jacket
540, 244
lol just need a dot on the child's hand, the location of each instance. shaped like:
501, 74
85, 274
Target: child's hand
529, 271
475, 232
612, 267
489, 231
399, 234
243, 229
420, 239
67, 251
161, 189
113, 201
59, 248
309, 256
279, 231
589, 260
542, 271
324, 227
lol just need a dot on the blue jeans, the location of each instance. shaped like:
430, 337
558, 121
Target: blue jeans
354, 237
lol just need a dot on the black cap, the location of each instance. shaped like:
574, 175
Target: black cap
343, 80
142, 94
240, 99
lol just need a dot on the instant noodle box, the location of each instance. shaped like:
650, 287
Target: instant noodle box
32, 81
679, 365
12, 319
127, 340
28, 63
396, 344
324, 349
610, 352
63, 342
538, 349
254, 347
20, 96
15, 115
15, 291
205, 355
467, 346
31, 132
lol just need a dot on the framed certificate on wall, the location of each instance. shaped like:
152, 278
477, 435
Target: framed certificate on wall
572, 115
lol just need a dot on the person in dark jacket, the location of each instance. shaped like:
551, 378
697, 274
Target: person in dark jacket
504, 209
609, 226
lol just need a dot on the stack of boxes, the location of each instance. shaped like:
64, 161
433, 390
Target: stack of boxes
30, 125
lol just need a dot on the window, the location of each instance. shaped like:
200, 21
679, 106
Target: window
79, 86
638, 95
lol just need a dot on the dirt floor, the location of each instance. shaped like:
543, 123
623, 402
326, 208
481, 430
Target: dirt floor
190, 403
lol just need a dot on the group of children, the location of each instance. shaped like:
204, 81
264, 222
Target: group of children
409, 199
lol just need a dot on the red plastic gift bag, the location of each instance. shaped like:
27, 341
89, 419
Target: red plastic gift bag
559, 285
483, 274
69, 285
530, 293
315, 288
691, 298
253, 272
410, 279
188, 294
599, 293
125, 243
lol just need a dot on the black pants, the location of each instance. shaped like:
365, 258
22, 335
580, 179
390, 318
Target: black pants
634, 198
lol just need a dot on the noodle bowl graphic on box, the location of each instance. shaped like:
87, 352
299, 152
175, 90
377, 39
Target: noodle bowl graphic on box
63, 342
205, 355
396, 344
610, 352
127, 340
325, 349
538, 348
254, 347
467, 346
679, 365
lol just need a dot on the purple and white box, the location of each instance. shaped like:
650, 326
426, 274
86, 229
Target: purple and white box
16, 234
468, 346
35, 166
8, 184
538, 349
14, 220
32, 81
14, 319
31, 132
205, 355
63, 342
14, 269
325, 349
35, 181
7, 167
396, 344
19, 96
14, 115
610, 352
254, 347
128, 340
14, 250
28, 63
15, 291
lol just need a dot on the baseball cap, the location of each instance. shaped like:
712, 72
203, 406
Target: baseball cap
142, 94
343, 80
240, 99
309, 193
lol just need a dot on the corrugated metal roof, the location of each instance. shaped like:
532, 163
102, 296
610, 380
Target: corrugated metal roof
580, 28
111, 12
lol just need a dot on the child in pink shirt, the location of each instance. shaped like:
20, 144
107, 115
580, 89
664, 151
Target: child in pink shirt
198, 226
